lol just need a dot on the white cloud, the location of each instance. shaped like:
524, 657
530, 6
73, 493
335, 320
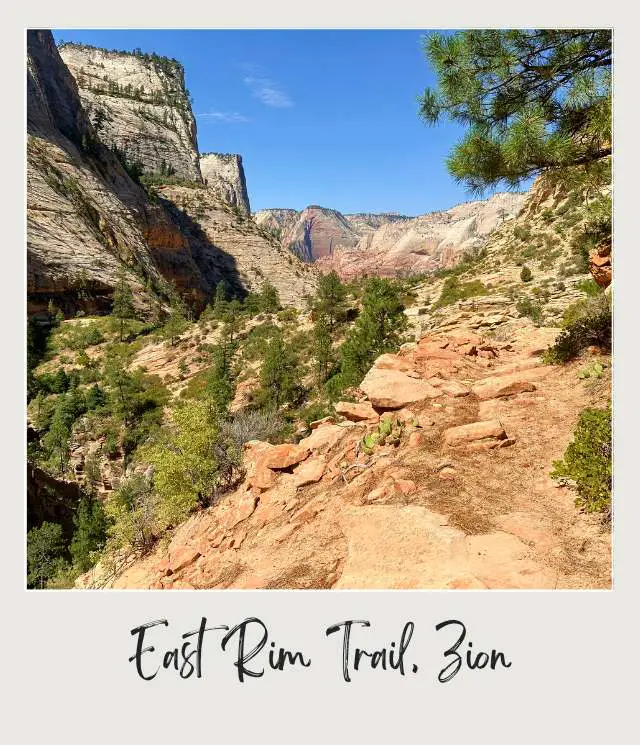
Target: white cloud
268, 92
228, 117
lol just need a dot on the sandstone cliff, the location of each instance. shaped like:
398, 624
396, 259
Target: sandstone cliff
224, 174
425, 243
85, 217
229, 245
138, 104
389, 244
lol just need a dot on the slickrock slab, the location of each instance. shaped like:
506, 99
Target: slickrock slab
182, 557
477, 431
453, 388
324, 437
504, 385
393, 362
310, 471
391, 389
434, 351
356, 412
285, 455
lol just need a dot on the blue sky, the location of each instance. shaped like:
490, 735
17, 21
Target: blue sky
319, 117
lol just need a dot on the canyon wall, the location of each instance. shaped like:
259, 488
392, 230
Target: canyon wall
224, 174
139, 104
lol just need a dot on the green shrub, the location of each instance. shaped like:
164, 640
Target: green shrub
590, 287
586, 323
525, 274
530, 309
454, 290
587, 461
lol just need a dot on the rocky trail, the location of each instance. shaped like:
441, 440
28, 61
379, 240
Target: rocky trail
437, 478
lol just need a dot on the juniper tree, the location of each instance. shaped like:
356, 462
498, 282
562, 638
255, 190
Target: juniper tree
378, 329
279, 375
534, 102
122, 301
330, 300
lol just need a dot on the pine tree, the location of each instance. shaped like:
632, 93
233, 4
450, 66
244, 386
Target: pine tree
89, 536
220, 300
279, 375
330, 300
322, 350
45, 549
122, 301
378, 329
220, 387
269, 298
177, 322
534, 101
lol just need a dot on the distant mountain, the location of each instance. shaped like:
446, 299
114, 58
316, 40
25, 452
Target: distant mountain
389, 244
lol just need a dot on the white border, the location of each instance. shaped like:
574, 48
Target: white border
573, 651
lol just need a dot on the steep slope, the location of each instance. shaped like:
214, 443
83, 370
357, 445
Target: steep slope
422, 244
85, 217
138, 104
225, 175
229, 245
459, 496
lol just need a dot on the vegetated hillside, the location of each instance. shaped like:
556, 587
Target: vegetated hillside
432, 469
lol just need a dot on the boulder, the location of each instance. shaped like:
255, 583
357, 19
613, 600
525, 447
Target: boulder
453, 388
324, 437
475, 432
285, 455
356, 412
505, 385
262, 476
310, 471
393, 362
182, 557
392, 389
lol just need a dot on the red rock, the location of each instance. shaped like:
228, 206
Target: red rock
393, 362
404, 486
434, 351
310, 471
416, 440
239, 510
285, 455
325, 420
182, 557
324, 437
505, 385
356, 412
262, 477
467, 433
391, 389
454, 389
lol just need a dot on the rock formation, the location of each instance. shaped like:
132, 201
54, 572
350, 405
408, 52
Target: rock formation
311, 234
86, 217
434, 241
224, 174
138, 104
389, 244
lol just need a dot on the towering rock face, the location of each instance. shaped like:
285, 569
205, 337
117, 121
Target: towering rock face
85, 217
422, 244
313, 233
138, 104
224, 174
229, 245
